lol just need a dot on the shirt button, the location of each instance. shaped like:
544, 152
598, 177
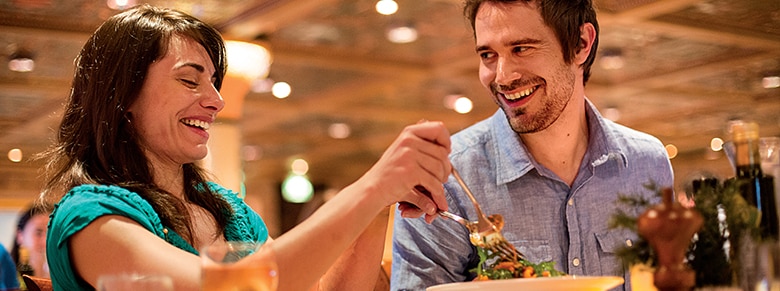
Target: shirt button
576, 262
571, 202
629, 243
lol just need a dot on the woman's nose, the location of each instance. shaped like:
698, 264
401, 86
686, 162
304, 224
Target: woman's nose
213, 99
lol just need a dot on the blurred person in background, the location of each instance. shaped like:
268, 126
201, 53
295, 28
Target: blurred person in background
29, 249
8, 275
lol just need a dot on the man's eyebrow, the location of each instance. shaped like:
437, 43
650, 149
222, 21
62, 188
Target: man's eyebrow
511, 43
524, 41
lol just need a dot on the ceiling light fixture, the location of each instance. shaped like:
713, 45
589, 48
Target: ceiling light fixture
120, 4
339, 130
15, 155
281, 90
771, 81
401, 33
248, 60
463, 105
386, 7
22, 61
612, 113
612, 59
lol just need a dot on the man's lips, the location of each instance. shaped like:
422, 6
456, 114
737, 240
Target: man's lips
518, 96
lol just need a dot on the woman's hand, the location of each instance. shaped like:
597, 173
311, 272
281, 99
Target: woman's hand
417, 158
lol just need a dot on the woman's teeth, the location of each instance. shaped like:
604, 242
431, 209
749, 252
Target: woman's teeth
196, 123
521, 94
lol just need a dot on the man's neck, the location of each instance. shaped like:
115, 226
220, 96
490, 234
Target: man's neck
561, 147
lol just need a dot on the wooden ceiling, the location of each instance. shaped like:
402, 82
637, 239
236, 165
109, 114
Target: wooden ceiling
689, 66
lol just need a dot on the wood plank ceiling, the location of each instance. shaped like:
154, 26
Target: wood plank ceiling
689, 66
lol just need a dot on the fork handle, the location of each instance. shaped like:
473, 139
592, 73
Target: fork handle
468, 193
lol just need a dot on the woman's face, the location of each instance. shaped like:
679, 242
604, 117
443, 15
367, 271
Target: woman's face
33, 235
177, 104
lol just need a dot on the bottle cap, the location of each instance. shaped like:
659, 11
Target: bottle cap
741, 130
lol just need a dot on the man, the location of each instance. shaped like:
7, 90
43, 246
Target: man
547, 161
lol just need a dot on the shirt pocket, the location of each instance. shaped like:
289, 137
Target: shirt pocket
609, 244
535, 251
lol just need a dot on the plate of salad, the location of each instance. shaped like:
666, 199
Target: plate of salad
501, 273
580, 283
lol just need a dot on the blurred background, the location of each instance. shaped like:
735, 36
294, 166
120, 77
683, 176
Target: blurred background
356, 74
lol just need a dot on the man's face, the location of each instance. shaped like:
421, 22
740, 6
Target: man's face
522, 65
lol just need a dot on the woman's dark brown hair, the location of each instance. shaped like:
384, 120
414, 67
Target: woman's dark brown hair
97, 144
565, 17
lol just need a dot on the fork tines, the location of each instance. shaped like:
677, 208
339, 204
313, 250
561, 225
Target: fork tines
507, 251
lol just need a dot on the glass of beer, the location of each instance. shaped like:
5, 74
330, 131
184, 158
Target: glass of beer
238, 266
133, 282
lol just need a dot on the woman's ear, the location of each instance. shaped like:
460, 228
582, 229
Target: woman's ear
587, 37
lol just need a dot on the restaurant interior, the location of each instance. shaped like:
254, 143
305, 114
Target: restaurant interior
354, 77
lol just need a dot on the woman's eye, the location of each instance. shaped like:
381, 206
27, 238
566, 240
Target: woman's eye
190, 83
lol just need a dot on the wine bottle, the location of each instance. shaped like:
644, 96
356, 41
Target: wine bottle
756, 187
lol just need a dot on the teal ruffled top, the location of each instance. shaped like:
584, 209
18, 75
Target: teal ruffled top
83, 204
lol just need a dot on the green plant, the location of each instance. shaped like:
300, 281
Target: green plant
728, 219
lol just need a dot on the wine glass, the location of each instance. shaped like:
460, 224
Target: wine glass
235, 265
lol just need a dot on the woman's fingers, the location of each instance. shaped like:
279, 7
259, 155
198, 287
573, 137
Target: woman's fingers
417, 157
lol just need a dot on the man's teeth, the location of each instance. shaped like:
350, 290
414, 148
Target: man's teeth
521, 94
196, 123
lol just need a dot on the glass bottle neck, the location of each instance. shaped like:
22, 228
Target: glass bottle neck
747, 158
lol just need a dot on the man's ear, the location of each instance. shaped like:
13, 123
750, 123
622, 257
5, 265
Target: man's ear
587, 37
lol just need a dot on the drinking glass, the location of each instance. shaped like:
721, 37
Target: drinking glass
768, 267
239, 266
134, 282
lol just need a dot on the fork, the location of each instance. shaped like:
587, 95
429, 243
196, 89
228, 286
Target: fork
485, 233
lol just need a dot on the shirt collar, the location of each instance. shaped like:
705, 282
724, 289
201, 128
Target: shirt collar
514, 161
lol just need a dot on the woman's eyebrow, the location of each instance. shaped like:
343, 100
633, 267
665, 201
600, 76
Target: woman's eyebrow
195, 66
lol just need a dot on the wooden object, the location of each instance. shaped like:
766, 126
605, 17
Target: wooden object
37, 283
668, 228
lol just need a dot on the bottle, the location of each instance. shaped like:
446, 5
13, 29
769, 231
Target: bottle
756, 187
23, 266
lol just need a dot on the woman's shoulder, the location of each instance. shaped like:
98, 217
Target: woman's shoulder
87, 202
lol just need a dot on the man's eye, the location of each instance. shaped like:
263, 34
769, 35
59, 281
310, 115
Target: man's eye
519, 49
485, 55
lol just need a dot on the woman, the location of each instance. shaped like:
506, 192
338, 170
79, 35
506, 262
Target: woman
144, 94
29, 248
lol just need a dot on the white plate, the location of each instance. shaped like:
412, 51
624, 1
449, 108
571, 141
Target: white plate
580, 283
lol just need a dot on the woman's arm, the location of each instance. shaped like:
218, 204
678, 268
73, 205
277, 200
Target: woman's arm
419, 156
359, 266
114, 244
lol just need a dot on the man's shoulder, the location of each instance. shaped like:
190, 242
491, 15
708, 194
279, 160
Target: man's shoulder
625, 136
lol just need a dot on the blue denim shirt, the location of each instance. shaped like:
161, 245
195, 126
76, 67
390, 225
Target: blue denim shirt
545, 218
